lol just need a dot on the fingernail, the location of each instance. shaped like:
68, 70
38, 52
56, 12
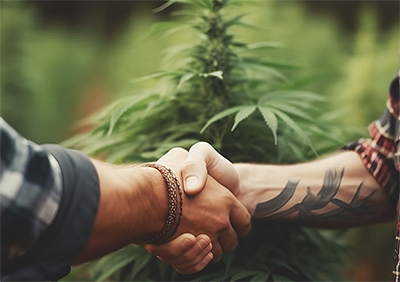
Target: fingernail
209, 257
203, 244
186, 244
192, 183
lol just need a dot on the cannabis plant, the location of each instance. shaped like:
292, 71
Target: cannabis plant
223, 91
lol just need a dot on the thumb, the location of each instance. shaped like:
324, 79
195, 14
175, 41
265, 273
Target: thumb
202, 161
194, 172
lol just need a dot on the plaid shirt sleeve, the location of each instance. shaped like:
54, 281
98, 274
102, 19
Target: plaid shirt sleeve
378, 153
31, 189
49, 200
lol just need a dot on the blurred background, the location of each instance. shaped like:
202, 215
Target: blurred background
61, 61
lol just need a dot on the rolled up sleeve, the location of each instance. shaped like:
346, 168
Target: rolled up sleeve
44, 225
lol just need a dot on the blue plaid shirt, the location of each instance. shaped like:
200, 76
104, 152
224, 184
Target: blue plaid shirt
31, 189
49, 199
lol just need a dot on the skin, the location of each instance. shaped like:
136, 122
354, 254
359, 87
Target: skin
334, 192
133, 206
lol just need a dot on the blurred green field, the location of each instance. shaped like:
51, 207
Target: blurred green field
54, 74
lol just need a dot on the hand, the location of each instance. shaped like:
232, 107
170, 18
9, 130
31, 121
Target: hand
186, 253
215, 212
202, 161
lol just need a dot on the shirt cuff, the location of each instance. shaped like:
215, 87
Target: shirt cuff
51, 257
380, 167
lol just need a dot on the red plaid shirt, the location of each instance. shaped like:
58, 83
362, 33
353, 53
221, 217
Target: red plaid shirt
381, 156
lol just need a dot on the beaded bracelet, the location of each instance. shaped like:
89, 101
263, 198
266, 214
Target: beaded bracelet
175, 204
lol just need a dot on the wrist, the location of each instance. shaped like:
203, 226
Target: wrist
133, 205
149, 202
259, 182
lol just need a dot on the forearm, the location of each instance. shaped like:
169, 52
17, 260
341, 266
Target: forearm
133, 205
333, 192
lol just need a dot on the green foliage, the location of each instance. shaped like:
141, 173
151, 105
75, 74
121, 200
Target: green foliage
43, 69
216, 78
247, 109
42, 72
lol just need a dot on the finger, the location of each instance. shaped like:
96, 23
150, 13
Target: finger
191, 256
228, 240
203, 159
240, 219
174, 248
198, 267
196, 258
217, 251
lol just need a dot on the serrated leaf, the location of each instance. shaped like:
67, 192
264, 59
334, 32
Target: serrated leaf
295, 128
243, 114
293, 110
118, 113
271, 120
221, 115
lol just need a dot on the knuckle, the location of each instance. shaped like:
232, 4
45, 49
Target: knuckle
189, 166
247, 222
202, 145
177, 150
225, 225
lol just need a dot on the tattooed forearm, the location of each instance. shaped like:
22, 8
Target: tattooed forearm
312, 204
266, 208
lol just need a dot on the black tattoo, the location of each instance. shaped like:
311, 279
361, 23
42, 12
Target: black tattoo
279, 201
314, 202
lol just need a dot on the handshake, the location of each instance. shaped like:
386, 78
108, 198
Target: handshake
134, 205
213, 217
219, 200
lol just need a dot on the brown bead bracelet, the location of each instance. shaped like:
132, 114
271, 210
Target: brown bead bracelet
175, 204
